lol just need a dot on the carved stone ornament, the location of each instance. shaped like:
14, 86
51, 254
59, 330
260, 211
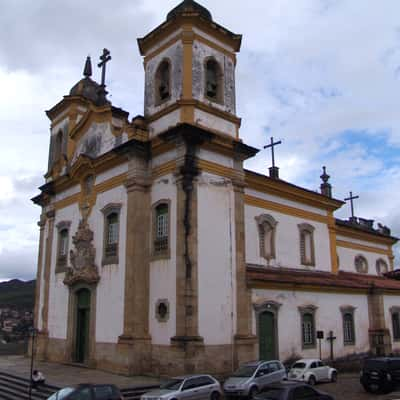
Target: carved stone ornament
82, 258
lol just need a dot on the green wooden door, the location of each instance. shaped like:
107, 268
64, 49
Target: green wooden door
267, 336
82, 325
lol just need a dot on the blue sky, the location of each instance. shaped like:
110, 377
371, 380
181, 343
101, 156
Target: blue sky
321, 75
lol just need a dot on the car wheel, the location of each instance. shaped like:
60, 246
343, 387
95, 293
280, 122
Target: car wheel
311, 380
334, 376
253, 392
372, 387
215, 396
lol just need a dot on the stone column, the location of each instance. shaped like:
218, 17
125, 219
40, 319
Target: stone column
135, 341
332, 243
44, 333
379, 335
244, 345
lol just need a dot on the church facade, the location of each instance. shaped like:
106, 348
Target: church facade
159, 253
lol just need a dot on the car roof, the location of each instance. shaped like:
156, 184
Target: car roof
192, 376
285, 384
308, 360
257, 363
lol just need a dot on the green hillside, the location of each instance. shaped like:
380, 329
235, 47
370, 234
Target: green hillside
17, 294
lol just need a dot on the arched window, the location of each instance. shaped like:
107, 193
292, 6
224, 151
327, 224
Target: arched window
213, 81
267, 229
361, 264
307, 253
381, 266
308, 325
395, 312
348, 325
62, 246
163, 82
111, 233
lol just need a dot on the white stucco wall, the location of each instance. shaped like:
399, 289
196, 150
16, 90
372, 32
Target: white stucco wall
287, 240
391, 301
216, 259
111, 287
163, 272
210, 121
328, 317
162, 124
215, 158
41, 296
163, 158
111, 173
347, 258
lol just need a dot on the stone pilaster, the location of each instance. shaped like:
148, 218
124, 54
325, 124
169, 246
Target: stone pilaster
244, 345
43, 333
379, 335
135, 339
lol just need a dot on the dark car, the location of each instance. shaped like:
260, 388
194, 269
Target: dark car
289, 390
88, 391
380, 374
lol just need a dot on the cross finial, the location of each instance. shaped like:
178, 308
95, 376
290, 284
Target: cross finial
351, 198
104, 58
273, 171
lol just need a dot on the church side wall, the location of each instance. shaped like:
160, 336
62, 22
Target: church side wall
287, 240
163, 271
111, 287
216, 260
328, 317
391, 301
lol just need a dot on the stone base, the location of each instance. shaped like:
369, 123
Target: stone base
245, 349
380, 342
137, 356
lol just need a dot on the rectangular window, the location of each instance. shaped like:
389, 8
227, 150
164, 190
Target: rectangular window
308, 330
161, 229
396, 326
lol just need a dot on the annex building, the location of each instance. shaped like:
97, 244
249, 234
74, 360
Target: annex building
159, 253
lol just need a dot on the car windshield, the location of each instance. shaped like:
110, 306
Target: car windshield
61, 394
272, 394
173, 384
245, 371
375, 364
299, 365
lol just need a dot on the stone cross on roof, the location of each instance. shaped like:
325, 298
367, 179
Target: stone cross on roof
273, 171
351, 198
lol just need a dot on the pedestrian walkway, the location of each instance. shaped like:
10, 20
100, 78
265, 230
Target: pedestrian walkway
63, 375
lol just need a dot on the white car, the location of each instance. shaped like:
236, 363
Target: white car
312, 371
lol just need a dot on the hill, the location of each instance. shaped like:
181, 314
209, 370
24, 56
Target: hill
17, 294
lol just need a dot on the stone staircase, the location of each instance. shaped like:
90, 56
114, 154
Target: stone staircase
13, 387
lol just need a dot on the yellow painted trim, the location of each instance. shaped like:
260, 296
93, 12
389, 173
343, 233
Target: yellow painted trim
111, 183
361, 247
215, 46
164, 169
187, 39
333, 243
217, 169
283, 209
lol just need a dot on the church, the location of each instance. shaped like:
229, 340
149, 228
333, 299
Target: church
161, 254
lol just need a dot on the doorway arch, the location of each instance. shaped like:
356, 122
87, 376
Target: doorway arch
267, 330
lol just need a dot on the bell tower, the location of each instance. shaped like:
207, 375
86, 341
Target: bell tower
189, 63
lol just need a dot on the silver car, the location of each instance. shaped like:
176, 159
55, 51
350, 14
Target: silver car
191, 387
252, 377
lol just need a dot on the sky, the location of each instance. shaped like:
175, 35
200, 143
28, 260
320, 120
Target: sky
323, 76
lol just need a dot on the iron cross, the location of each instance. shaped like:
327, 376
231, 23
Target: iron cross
351, 198
104, 58
272, 145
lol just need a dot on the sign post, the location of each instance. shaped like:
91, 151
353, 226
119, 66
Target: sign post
320, 336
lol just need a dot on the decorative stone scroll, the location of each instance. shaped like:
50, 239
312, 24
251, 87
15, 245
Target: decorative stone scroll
82, 258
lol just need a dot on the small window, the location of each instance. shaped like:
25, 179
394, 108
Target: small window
307, 314
361, 264
213, 81
396, 324
163, 78
161, 229
111, 233
381, 267
62, 246
307, 253
162, 310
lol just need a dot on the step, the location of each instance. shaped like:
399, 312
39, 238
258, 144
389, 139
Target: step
15, 382
22, 379
19, 394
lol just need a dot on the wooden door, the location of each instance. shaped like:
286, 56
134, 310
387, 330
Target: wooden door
267, 336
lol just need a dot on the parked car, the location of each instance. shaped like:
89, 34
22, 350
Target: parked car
380, 374
312, 371
88, 392
252, 377
193, 387
289, 390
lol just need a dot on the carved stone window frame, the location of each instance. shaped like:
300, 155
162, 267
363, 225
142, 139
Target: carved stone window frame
262, 220
109, 209
220, 81
395, 311
157, 78
377, 266
348, 311
306, 228
160, 254
62, 261
308, 310
362, 258
159, 317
